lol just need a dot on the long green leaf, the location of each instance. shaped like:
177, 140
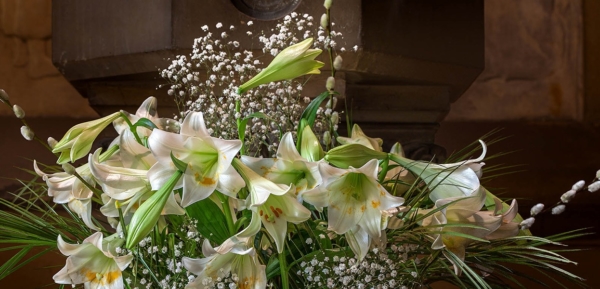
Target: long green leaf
211, 221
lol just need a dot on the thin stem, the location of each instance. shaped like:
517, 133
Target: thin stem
132, 128
122, 221
227, 212
285, 283
384, 169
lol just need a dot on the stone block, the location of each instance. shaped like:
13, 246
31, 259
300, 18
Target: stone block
40, 65
33, 18
19, 51
533, 63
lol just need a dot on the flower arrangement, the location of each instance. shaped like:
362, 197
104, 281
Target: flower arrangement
247, 188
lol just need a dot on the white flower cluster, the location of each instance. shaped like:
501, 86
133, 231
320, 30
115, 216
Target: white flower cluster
391, 268
228, 281
175, 275
208, 79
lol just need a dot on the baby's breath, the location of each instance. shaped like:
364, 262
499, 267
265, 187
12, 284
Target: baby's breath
207, 81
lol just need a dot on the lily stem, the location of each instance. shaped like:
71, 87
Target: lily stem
132, 128
227, 212
283, 271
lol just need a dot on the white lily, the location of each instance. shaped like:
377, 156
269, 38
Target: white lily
68, 189
208, 160
146, 110
126, 186
354, 197
288, 168
259, 188
461, 210
359, 137
277, 211
232, 257
93, 263
508, 228
446, 180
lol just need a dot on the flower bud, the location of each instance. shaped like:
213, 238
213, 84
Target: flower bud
558, 209
292, 62
578, 185
326, 137
527, 223
19, 112
594, 186
324, 21
330, 84
352, 155
4, 96
327, 4
311, 149
146, 216
537, 209
52, 142
78, 140
335, 117
337, 63
27, 133
568, 196
69, 169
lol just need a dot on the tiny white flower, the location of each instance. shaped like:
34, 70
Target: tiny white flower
578, 185
558, 209
568, 196
536, 209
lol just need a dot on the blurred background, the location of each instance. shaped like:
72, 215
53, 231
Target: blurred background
434, 75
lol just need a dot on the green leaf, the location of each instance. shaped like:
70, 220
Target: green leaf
310, 113
180, 165
211, 221
272, 269
144, 122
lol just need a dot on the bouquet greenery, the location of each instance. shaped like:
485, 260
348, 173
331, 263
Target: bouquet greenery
248, 188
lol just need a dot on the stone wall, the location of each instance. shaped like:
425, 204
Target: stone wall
26, 70
533, 63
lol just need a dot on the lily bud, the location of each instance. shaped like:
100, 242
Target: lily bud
327, 4
326, 137
324, 21
52, 142
69, 169
311, 149
352, 155
527, 223
335, 117
337, 62
27, 133
19, 112
146, 216
292, 62
330, 84
568, 196
77, 142
578, 185
537, 209
558, 209
4, 96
